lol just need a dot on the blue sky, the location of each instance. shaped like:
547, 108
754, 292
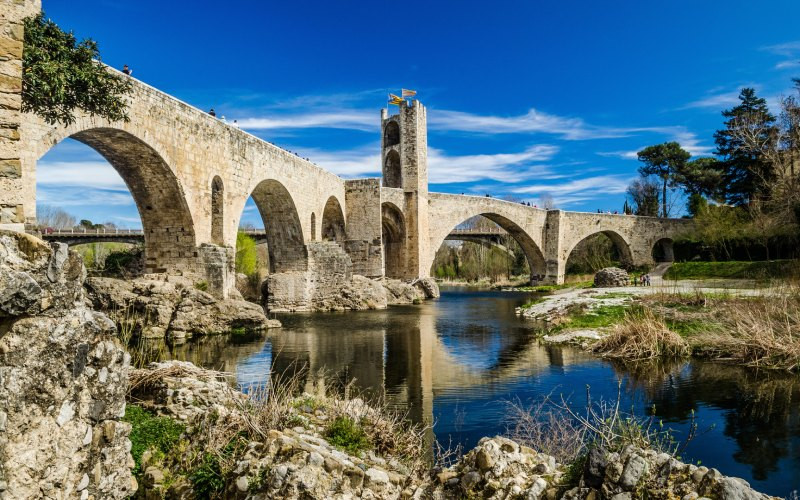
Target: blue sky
524, 99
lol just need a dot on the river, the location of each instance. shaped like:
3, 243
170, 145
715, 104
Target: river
458, 362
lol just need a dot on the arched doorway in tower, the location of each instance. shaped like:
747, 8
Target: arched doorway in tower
393, 233
488, 246
106, 179
392, 175
596, 251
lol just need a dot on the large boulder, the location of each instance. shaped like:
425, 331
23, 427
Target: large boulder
611, 277
63, 380
172, 311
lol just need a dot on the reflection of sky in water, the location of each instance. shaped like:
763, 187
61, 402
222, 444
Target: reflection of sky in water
459, 361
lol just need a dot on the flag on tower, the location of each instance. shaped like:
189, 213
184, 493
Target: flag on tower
408, 93
396, 100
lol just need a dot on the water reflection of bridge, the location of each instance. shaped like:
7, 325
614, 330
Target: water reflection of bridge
409, 367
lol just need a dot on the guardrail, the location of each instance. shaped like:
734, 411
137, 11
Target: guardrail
468, 232
47, 231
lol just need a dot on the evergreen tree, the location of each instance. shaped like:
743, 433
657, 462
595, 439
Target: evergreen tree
746, 172
666, 161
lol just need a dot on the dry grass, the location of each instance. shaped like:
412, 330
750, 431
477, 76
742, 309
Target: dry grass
762, 332
640, 336
567, 433
144, 378
542, 426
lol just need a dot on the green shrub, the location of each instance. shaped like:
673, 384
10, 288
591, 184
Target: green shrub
207, 477
347, 434
150, 432
246, 256
731, 269
201, 285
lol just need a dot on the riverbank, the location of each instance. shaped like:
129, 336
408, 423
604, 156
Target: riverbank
731, 321
195, 436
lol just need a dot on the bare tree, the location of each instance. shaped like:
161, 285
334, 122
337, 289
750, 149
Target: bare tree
547, 201
49, 216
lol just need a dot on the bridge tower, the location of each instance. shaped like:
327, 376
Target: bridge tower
404, 157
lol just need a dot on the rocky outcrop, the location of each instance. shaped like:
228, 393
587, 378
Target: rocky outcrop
292, 462
636, 473
63, 379
402, 292
173, 311
611, 277
297, 460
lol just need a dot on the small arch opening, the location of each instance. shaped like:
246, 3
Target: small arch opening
391, 170
391, 134
663, 251
393, 232
314, 226
333, 221
217, 211
597, 251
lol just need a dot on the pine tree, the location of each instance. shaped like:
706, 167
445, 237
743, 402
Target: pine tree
746, 174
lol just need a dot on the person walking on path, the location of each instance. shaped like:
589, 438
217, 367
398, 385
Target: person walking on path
127, 70
212, 112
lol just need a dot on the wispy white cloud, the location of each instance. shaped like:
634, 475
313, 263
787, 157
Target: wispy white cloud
444, 168
86, 174
502, 167
609, 184
342, 119
688, 141
346, 112
717, 101
790, 51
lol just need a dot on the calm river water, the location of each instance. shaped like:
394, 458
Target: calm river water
458, 362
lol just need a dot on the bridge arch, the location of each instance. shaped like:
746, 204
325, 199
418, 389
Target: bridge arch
620, 243
663, 251
533, 254
168, 226
333, 225
393, 234
285, 243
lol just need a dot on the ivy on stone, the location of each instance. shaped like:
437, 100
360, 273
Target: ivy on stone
61, 74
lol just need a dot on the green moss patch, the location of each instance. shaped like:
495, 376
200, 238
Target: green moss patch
150, 432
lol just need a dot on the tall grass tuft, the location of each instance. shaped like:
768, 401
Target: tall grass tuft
641, 335
762, 331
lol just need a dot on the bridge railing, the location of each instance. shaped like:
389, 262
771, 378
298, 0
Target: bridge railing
81, 231
474, 232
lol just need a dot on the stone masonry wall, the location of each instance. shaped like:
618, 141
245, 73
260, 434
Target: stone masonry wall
12, 199
363, 242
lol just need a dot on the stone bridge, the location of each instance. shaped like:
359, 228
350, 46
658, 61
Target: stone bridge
191, 174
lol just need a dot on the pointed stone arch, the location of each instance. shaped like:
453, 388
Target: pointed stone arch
169, 231
392, 172
333, 224
393, 234
533, 254
284, 233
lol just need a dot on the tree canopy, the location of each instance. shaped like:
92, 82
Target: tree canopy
666, 161
61, 74
746, 171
